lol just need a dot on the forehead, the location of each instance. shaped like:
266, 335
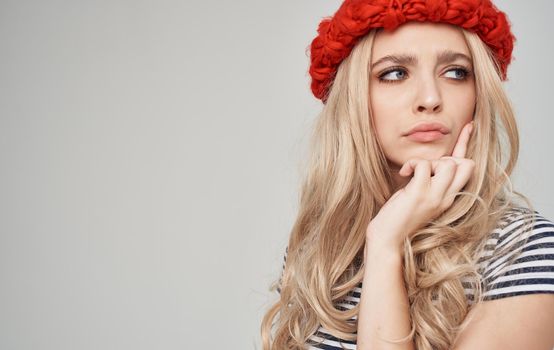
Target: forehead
419, 38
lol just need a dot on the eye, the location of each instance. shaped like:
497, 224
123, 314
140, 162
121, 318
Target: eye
460, 73
398, 73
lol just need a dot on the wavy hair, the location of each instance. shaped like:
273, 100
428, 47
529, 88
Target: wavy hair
347, 180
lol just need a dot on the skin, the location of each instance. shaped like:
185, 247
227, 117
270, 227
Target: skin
422, 91
428, 174
384, 311
427, 177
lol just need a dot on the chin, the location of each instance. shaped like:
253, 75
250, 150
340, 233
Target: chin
429, 153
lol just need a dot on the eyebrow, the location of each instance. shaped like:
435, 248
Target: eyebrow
407, 59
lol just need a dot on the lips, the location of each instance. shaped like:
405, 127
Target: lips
429, 127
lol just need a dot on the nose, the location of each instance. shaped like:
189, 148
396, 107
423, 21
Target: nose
428, 97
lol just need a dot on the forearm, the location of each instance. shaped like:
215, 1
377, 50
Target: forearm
384, 305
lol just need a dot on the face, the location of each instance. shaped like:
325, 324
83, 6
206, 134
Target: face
421, 73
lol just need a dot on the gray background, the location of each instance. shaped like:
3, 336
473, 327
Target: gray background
149, 163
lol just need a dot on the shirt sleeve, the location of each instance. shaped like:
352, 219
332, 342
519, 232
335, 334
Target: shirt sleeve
533, 269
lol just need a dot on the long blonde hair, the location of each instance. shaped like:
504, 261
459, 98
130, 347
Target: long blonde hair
347, 181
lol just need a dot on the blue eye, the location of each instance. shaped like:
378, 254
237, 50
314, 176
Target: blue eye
396, 70
464, 73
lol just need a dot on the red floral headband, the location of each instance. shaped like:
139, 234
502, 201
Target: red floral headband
337, 35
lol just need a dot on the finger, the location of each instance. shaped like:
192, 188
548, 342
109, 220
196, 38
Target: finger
464, 172
408, 167
443, 177
421, 169
463, 140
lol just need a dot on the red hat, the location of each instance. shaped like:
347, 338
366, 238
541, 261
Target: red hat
337, 35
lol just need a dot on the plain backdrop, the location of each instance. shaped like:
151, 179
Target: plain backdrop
149, 157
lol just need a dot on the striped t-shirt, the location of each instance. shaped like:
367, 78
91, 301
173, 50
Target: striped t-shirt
532, 272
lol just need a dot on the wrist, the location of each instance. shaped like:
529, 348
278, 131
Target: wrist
383, 257
377, 243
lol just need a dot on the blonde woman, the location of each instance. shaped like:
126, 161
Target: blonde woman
409, 235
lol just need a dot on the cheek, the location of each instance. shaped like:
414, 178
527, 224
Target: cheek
387, 114
382, 121
386, 122
463, 110
466, 104
383, 108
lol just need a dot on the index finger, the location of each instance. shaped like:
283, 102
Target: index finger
461, 146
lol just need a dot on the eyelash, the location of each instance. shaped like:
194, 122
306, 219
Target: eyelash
466, 72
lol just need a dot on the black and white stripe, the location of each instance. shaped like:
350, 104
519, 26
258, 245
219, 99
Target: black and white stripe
532, 272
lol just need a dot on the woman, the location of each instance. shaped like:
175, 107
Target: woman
408, 234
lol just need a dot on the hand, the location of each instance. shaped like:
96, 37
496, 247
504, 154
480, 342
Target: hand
430, 192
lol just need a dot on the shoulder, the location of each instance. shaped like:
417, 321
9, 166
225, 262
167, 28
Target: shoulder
522, 260
519, 287
521, 322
